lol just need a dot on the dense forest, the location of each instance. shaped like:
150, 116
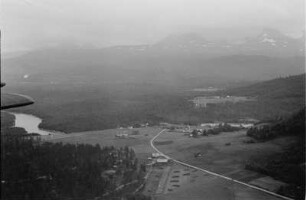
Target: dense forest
293, 125
89, 106
32, 169
290, 165
7, 125
283, 87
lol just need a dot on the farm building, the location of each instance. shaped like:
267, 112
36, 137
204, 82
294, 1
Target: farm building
162, 160
122, 135
155, 155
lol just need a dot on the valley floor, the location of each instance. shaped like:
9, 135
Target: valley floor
224, 154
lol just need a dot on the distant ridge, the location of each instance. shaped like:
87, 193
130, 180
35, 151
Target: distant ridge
175, 60
291, 86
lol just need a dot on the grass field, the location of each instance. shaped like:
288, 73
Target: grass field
177, 182
219, 152
140, 142
226, 154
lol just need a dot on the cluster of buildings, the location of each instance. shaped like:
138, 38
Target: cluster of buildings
158, 159
237, 125
122, 135
140, 125
204, 101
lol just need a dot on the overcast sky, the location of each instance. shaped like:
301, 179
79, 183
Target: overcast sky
28, 24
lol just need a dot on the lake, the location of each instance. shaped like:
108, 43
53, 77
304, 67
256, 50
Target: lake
31, 124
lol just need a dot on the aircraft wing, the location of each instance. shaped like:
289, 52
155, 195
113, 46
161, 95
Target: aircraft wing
14, 100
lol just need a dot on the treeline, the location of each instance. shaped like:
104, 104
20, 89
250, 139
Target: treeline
222, 127
288, 166
35, 170
7, 123
279, 88
7, 120
294, 125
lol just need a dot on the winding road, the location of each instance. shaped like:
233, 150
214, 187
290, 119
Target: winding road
212, 173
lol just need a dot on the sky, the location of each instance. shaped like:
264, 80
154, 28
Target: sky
31, 24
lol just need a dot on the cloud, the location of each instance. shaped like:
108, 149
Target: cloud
34, 23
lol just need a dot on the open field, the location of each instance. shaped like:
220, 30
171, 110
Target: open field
140, 142
219, 152
175, 181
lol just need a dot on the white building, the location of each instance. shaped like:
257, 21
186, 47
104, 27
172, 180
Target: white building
162, 160
155, 155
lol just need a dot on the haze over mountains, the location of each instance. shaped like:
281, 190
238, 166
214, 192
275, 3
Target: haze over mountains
176, 60
270, 43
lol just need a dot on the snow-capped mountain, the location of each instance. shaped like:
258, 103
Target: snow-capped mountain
270, 43
273, 43
177, 57
273, 37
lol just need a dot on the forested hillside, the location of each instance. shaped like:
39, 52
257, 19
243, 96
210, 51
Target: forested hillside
274, 98
284, 87
290, 165
93, 106
290, 126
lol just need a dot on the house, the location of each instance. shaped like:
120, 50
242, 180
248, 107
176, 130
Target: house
196, 133
247, 125
197, 154
155, 155
122, 135
162, 161
210, 125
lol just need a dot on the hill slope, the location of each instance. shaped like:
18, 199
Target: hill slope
292, 86
290, 165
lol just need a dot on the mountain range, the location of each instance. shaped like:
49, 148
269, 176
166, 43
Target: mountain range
269, 42
177, 60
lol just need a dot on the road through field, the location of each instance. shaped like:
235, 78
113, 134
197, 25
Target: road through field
212, 173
